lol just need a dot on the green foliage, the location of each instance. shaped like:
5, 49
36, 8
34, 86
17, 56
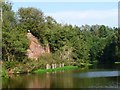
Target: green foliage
56, 69
69, 44
4, 74
15, 42
118, 43
32, 19
15, 45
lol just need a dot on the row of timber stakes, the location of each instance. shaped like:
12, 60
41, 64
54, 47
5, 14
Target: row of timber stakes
52, 66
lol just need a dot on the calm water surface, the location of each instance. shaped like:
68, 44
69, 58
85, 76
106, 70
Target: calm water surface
92, 78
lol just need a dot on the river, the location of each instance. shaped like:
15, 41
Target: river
79, 78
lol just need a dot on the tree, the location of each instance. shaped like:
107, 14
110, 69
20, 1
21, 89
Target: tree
32, 19
14, 41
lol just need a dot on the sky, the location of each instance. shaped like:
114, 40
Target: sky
76, 13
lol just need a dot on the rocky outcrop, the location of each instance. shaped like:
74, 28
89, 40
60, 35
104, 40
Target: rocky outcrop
35, 49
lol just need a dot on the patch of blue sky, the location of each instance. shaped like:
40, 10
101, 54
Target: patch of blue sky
77, 13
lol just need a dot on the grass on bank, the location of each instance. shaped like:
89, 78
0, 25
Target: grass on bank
117, 62
56, 69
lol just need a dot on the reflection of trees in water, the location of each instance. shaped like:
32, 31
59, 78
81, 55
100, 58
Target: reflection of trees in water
50, 80
39, 82
61, 80
14, 81
47, 80
28, 81
58, 80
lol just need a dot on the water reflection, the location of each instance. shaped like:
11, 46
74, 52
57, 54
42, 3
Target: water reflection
98, 74
39, 82
67, 79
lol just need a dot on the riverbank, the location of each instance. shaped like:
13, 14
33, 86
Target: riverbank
55, 69
5, 74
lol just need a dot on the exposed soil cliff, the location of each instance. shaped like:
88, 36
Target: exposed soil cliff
35, 49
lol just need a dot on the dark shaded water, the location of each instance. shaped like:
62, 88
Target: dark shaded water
79, 78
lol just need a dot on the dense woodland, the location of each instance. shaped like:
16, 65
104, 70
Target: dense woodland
95, 44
